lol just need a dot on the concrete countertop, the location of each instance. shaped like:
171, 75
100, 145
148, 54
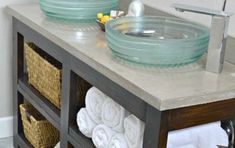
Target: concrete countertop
164, 89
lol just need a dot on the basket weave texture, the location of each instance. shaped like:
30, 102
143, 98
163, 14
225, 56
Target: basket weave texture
43, 75
39, 132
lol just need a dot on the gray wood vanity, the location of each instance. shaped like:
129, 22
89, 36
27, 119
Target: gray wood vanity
165, 99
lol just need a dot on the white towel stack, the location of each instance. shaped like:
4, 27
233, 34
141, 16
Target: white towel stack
111, 126
103, 120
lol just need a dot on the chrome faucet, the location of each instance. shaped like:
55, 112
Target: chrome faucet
218, 34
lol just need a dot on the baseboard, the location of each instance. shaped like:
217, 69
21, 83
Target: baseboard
6, 127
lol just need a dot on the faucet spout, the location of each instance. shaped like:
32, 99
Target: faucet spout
201, 10
218, 34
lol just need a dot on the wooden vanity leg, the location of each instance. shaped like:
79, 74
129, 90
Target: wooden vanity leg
18, 68
156, 131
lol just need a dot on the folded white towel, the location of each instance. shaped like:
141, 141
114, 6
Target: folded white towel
101, 136
134, 131
113, 115
118, 141
85, 123
211, 135
187, 146
202, 136
94, 101
181, 137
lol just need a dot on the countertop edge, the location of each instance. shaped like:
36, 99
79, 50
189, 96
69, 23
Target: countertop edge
201, 99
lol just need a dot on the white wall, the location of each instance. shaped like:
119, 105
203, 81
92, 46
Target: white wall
164, 5
6, 58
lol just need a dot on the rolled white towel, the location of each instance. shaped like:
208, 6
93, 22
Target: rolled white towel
85, 123
101, 136
118, 141
134, 131
94, 101
113, 115
57, 145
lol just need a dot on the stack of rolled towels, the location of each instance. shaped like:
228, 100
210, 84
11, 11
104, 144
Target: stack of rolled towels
111, 126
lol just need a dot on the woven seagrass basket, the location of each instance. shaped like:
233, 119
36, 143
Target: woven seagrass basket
43, 73
39, 132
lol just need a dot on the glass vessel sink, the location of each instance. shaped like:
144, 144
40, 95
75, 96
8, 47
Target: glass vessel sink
158, 41
77, 10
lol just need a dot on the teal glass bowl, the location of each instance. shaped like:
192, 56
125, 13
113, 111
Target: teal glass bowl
158, 41
77, 10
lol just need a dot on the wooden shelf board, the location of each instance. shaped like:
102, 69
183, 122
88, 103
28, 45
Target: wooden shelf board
77, 139
22, 142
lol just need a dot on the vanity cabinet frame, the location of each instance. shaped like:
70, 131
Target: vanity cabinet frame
74, 71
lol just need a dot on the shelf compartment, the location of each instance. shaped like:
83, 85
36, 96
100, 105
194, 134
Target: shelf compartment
22, 142
78, 90
44, 73
81, 140
45, 107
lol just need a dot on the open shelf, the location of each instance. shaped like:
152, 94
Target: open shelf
47, 109
77, 139
79, 88
22, 141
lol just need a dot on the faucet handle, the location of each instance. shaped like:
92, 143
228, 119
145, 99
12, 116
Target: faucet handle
201, 10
